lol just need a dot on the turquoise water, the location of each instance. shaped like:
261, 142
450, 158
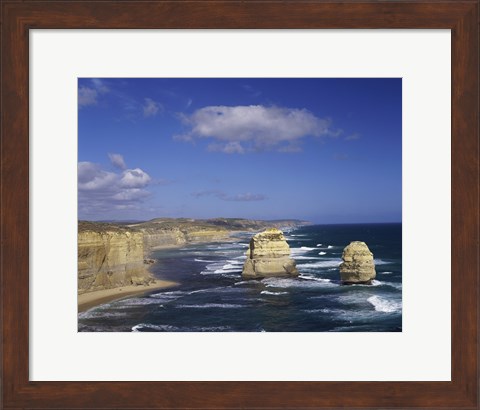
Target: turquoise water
213, 297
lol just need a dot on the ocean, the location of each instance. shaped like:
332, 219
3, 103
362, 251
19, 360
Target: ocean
213, 297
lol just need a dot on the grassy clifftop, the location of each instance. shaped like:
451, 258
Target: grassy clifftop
187, 225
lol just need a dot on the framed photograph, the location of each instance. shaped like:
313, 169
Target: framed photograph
240, 254
240, 204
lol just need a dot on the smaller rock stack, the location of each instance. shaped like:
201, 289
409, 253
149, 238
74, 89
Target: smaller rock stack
269, 255
357, 266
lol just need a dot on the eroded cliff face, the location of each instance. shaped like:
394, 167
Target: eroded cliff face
206, 235
110, 259
165, 238
114, 255
174, 237
269, 255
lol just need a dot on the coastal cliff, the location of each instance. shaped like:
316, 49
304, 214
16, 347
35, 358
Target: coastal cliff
111, 258
168, 233
269, 255
162, 238
113, 255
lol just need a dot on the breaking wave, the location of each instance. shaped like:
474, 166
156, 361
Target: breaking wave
210, 306
267, 292
321, 264
384, 305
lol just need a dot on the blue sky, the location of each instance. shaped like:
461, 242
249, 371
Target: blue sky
323, 150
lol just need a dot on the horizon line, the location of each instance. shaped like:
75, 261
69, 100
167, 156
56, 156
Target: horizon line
247, 219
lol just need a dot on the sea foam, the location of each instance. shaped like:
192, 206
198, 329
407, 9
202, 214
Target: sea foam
381, 262
225, 266
308, 282
246, 282
320, 264
267, 292
300, 251
202, 260
210, 305
299, 257
158, 328
100, 314
307, 277
384, 305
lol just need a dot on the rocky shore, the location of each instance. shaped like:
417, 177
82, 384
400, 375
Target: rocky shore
114, 256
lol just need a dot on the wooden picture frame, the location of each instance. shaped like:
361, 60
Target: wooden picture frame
18, 17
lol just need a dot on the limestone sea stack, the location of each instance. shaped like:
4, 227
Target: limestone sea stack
269, 255
357, 266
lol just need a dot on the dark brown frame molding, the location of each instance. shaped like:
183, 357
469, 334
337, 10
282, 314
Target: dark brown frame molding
461, 16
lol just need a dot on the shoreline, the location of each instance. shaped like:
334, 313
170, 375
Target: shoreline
88, 300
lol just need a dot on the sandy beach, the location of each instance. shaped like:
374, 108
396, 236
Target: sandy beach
91, 299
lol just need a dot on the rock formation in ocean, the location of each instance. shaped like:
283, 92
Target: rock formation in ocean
357, 266
269, 255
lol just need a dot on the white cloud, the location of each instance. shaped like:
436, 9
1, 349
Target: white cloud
92, 178
100, 85
100, 191
150, 108
256, 127
130, 194
90, 95
87, 96
117, 161
95, 90
134, 178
